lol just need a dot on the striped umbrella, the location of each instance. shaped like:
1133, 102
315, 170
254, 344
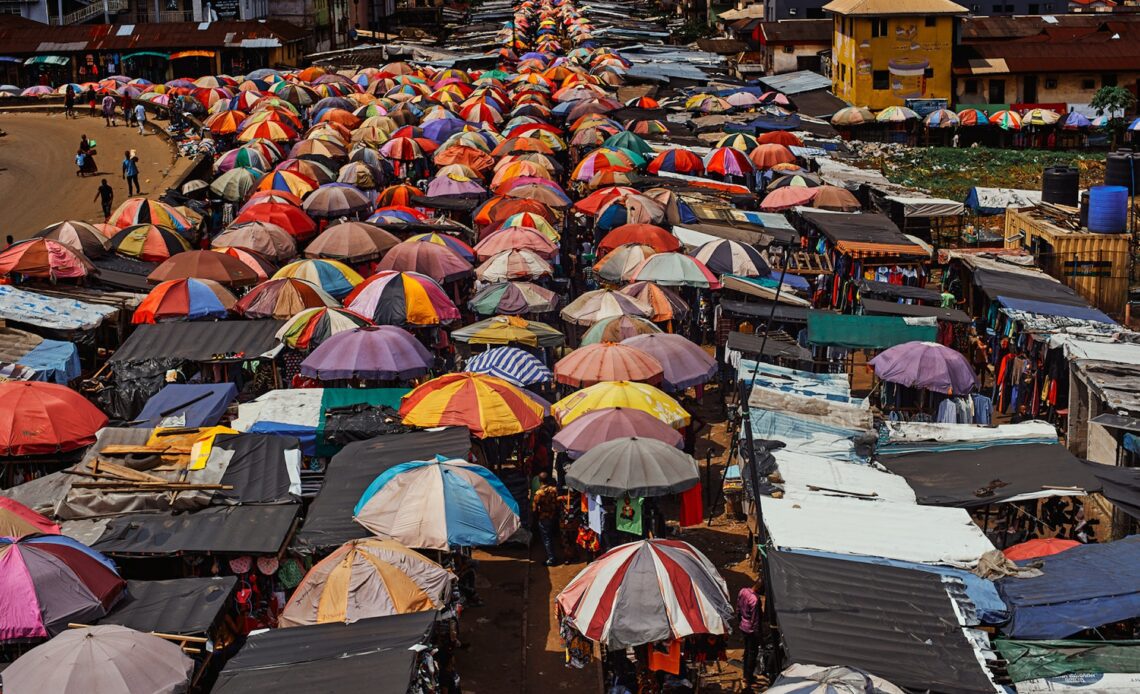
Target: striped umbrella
434, 504
1006, 120
666, 304
143, 211
1040, 117
741, 141
617, 329
941, 118
312, 326
896, 114
149, 242
677, 160
282, 298
728, 162
510, 364
487, 406
647, 591
333, 276
513, 298
725, 257
596, 305
675, 270
513, 265
402, 298
287, 181
971, 117
185, 299
638, 396
366, 578
505, 330
44, 258
618, 265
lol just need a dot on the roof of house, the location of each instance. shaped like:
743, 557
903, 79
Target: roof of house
1106, 47
894, 7
751, 12
796, 31
18, 36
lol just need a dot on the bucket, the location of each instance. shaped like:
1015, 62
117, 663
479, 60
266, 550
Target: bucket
1108, 209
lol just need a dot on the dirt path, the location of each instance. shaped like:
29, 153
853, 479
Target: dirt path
38, 185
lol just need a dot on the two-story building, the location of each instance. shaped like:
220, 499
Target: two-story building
887, 51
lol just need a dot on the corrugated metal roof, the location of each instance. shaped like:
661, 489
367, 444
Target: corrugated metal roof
923, 534
797, 31
184, 606
893, 7
255, 529
810, 475
19, 36
796, 82
199, 341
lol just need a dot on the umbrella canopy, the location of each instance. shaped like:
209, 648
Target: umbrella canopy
896, 114
677, 160
638, 396
1006, 120
367, 578
593, 306
618, 329
486, 405
375, 353
235, 184
206, 265
187, 299
402, 298
513, 298
79, 235
607, 361
50, 581
282, 298
265, 238
510, 364
972, 117
434, 504
768, 155
505, 330
103, 658
647, 591
941, 118
44, 258
143, 211
787, 197
336, 200
333, 276
610, 423
516, 239
1040, 116
665, 303
149, 243
618, 265
852, 115
835, 199
635, 466
725, 257
311, 327
42, 418
289, 217
439, 239
837, 679
352, 242
1039, 547
927, 365
513, 265
686, 364
434, 260
677, 270
648, 234
17, 520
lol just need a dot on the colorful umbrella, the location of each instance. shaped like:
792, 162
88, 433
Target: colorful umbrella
1040, 117
728, 162
367, 578
606, 361
235, 184
402, 298
941, 118
17, 520
686, 363
649, 234
265, 238
103, 658
44, 258
149, 243
313, 326
143, 211
674, 590
675, 270
49, 581
607, 424
725, 257
287, 181
487, 406
926, 365
458, 247
505, 330
374, 353
513, 265
336, 278
599, 304
437, 504
336, 200
288, 217
634, 466
185, 299
513, 298
516, 239
666, 304
618, 329
1006, 120
205, 265
896, 114
677, 160
511, 364
638, 396
282, 298
619, 264
1076, 120
852, 115
972, 117
436, 261
78, 235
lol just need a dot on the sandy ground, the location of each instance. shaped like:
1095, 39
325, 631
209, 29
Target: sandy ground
38, 185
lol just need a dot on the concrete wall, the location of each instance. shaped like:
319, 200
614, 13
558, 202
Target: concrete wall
857, 55
1071, 88
780, 61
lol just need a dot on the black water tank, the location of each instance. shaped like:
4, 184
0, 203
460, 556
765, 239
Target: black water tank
1085, 210
1060, 185
1122, 168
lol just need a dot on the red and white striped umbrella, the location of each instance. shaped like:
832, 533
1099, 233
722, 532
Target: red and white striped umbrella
647, 591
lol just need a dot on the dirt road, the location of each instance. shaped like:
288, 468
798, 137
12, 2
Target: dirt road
38, 185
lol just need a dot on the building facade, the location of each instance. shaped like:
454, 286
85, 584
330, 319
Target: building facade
326, 21
887, 51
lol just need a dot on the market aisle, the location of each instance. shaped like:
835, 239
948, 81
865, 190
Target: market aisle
491, 658
37, 169
546, 671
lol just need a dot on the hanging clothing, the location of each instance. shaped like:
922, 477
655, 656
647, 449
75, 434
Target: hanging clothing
665, 656
692, 506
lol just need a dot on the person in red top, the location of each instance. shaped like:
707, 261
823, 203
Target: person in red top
750, 608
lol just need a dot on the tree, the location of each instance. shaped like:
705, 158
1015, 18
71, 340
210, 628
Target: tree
1115, 101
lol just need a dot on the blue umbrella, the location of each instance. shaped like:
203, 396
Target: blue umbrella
1076, 120
442, 128
1134, 125
510, 364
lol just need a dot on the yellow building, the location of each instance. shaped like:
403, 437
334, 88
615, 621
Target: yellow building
884, 52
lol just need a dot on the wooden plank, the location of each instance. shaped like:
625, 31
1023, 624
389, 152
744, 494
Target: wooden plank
109, 469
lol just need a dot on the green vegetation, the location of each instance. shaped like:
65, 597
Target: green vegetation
1114, 101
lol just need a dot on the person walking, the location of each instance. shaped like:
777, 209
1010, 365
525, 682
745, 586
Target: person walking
69, 102
91, 99
131, 173
105, 195
140, 118
544, 503
750, 610
109, 110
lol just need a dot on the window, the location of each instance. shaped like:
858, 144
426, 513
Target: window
1087, 84
815, 13
928, 73
878, 28
1009, 9
1048, 7
1034, 8
997, 9
975, 9
792, 12
972, 87
1050, 82
789, 49
931, 21
843, 73
880, 79
1108, 79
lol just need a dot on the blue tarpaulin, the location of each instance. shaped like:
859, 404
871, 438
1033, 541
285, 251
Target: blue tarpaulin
1045, 308
53, 360
187, 405
1080, 588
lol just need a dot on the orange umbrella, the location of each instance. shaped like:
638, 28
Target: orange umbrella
607, 361
647, 234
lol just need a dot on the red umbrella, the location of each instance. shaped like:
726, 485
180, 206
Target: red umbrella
205, 265
44, 258
288, 217
595, 201
513, 239
43, 418
648, 234
1039, 547
765, 156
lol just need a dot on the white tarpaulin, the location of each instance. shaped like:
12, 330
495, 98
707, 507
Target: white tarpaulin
928, 207
934, 432
923, 534
810, 475
1118, 352
51, 312
996, 200
849, 416
298, 407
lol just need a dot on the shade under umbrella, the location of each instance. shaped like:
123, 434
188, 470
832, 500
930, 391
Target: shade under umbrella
377, 352
611, 423
686, 363
635, 466
926, 365
103, 658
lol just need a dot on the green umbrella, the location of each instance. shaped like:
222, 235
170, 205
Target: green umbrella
630, 142
235, 184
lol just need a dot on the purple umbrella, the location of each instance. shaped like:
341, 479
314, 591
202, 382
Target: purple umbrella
440, 129
453, 185
377, 353
611, 423
686, 364
927, 365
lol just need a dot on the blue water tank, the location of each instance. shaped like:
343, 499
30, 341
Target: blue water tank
1108, 209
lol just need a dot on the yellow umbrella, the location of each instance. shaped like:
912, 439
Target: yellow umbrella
486, 405
636, 396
